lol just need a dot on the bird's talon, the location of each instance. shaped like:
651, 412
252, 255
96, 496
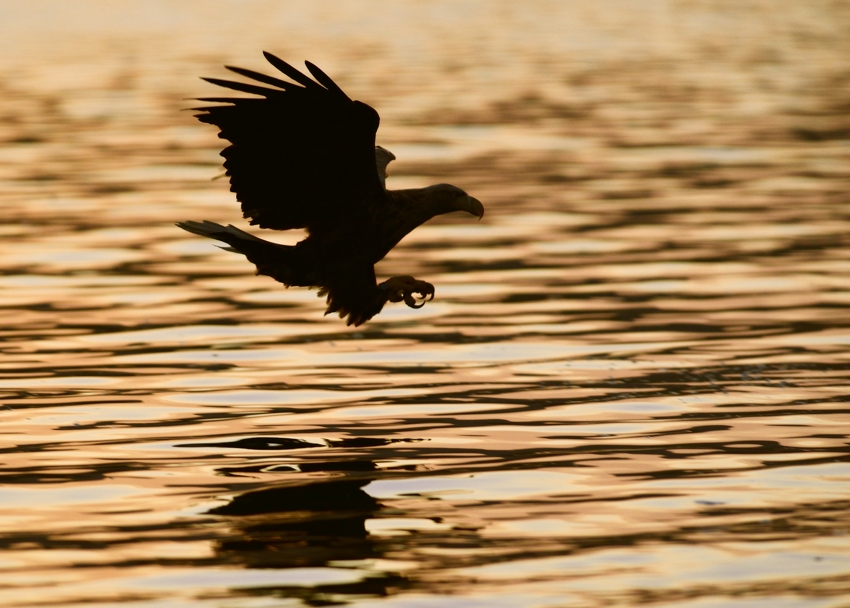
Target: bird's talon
412, 292
411, 302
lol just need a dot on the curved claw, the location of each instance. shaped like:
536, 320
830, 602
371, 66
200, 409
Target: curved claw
426, 290
408, 299
403, 288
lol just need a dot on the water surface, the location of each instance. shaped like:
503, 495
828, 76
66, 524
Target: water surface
630, 390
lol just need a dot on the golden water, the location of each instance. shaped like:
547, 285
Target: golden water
630, 390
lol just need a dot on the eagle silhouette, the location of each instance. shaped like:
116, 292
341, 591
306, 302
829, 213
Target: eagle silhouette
302, 154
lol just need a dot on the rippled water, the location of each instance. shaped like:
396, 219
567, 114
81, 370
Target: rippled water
631, 388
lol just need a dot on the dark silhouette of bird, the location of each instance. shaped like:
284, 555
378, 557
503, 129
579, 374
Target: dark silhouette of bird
302, 154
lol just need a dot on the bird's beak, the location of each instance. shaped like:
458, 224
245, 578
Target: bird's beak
473, 205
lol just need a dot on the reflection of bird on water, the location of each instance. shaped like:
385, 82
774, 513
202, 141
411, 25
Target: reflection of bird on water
303, 525
304, 156
314, 525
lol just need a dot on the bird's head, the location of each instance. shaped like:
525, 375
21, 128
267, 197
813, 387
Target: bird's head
446, 198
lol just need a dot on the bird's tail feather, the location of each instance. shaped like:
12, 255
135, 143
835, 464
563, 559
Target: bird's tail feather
217, 231
270, 258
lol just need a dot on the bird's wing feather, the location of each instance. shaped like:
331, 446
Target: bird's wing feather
301, 155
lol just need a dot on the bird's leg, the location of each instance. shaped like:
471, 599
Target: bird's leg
403, 288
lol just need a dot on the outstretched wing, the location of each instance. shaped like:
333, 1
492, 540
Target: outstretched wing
301, 155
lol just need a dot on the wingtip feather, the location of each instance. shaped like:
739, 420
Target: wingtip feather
243, 87
324, 79
270, 80
290, 71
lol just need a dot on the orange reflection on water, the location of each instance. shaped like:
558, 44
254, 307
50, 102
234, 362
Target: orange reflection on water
629, 390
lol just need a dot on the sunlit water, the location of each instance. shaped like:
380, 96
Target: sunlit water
631, 388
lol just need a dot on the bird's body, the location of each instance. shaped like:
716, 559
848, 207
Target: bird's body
304, 156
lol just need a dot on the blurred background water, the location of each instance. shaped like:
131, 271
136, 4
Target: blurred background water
630, 390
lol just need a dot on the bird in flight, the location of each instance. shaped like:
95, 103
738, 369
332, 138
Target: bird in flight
302, 154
